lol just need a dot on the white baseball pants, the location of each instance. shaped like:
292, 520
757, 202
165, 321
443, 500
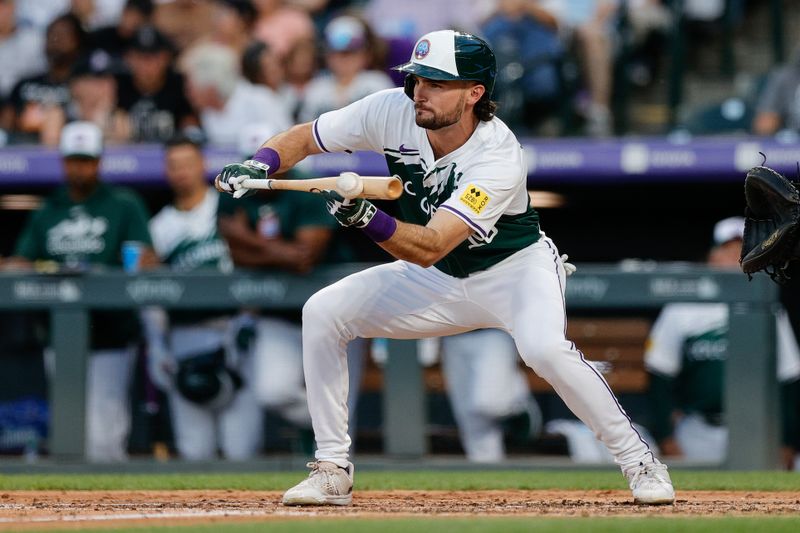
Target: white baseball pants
236, 429
523, 295
108, 404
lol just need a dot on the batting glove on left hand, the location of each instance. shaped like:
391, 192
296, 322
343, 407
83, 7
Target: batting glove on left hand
231, 178
356, 212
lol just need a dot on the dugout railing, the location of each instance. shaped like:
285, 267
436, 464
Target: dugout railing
751, 390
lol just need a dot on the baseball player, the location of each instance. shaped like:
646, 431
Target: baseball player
487, 390
685, 358
83, 225
470, 254
192, 353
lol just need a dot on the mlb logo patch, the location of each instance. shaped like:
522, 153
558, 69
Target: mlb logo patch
475, 198
422, 49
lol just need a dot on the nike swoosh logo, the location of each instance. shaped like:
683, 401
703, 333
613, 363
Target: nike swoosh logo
404, 150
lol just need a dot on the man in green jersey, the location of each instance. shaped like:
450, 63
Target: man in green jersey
685, 358
470, 254
84, 225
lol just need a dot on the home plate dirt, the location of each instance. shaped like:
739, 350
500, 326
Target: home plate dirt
65, 509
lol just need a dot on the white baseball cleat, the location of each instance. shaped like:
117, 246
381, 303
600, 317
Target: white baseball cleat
327, 484
650, 484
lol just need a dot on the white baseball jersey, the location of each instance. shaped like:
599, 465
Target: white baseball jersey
507, 275
484, 182
698, 332
189, 239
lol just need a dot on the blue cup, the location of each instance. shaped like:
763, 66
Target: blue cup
131, 255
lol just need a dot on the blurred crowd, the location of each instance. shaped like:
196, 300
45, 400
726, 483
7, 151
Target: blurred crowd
143, 70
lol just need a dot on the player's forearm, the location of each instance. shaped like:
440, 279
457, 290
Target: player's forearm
292, 146
416, 244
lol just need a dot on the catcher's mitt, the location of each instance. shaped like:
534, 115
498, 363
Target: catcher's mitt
772, 223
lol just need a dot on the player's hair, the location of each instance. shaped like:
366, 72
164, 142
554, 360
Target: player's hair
485, 108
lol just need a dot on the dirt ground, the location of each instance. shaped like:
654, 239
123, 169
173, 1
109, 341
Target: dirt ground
81, 509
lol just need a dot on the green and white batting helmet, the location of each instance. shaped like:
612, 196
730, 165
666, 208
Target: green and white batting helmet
451, 55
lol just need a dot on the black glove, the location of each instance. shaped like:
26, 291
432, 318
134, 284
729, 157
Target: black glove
772, 223
356, 212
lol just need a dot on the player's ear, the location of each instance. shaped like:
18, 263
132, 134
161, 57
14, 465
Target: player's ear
475, 92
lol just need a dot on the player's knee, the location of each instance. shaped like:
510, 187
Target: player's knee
319, 309
542, 356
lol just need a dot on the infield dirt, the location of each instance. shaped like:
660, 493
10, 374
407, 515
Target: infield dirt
82, 509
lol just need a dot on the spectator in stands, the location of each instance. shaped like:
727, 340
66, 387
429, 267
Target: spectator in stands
234, 21
777, 108
153, 95
224, 99
322, 11
20, 49
281, 25
488, 392
529, 53
283, 231
193, 355
686, 358
116, 39
590, 28
24, 112
84, 225
93, 98
410, 18
590, 24
40, 14
301, 64
185, 22
95, 14
262, 66
348, 42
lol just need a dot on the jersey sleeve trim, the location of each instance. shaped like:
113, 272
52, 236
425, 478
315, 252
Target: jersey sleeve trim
465, 218
317, 138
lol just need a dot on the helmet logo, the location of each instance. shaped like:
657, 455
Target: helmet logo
422, 49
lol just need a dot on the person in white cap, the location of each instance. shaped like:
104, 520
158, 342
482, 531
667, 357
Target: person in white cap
82, 225
349, 47
685, 359
470, 254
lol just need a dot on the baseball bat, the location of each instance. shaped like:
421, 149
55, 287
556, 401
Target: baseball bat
375, 187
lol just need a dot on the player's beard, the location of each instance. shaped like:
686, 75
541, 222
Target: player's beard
442, 120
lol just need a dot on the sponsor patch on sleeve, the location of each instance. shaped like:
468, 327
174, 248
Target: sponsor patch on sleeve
475, 198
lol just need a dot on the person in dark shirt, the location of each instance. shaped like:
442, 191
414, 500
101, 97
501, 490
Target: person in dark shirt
152, 95
31, 97
93, 97
115, 39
